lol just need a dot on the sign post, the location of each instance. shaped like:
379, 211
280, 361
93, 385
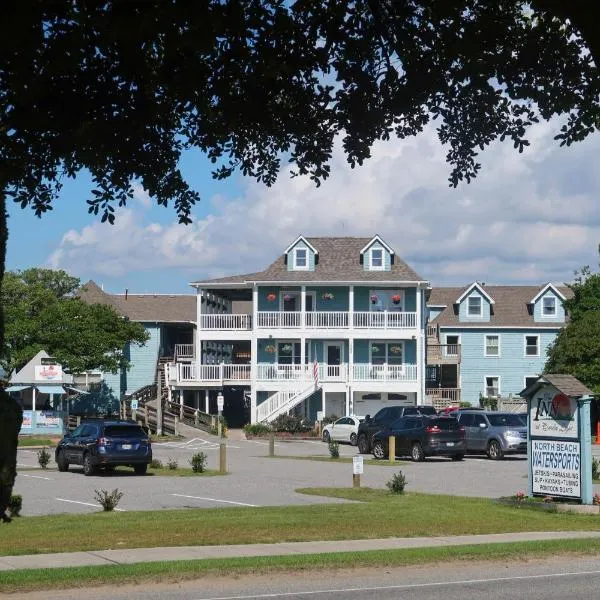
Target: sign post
559, 452
357, 470
222, 446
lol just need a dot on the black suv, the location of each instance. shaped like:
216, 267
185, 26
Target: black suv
107, 444
384, 418
422, 436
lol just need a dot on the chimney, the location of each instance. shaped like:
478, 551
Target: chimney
126, 292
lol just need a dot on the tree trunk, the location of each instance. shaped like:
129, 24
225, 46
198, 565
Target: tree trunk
11, 415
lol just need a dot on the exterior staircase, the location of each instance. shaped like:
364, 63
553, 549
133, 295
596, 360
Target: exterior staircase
282, 402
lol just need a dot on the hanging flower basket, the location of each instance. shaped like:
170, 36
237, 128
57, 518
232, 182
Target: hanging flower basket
270, 349
396, 349
327, 296
287, 298
271, 297
396, 299
374, 348
374, 299
286, 348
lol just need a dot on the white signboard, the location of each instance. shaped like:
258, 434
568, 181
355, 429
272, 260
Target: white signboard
320, 415
134, 404
48, 373
357, 465
220, 402
553, 415
556, 468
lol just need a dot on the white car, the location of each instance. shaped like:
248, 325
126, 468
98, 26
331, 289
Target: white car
343, 430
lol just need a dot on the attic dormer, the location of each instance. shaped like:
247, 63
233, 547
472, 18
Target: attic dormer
475, 304
377, 255
547, 305
300, 255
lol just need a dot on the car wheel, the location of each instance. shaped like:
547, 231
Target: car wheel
378, 450
494, 450
88, 467
326, 436
140, 469
61, 462
458, 457
416, 452
363, 444
353, 439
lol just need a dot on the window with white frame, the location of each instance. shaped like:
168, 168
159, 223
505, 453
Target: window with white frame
492, 345
474, 306
452, 343
390, 300
530, 380
532, 345
549, 306
387, 352
492, 386
301, 258
376, 258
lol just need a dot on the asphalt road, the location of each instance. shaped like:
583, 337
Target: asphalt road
554, 579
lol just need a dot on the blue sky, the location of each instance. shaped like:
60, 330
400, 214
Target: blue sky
526, 219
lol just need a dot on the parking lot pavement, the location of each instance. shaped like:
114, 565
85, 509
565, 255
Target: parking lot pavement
254, 478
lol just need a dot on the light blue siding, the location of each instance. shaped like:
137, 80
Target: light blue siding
143, 360
560, 309
485, 306
361, 351
362, 297
339, 301
309, 253
434, 312
387, 257
511, 367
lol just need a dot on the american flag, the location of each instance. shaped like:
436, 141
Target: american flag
316, 372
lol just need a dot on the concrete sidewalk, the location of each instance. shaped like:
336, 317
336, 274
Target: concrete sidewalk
141, 555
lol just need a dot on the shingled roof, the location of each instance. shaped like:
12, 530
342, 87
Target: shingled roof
511, 306
160, 308
339, 261
567, 384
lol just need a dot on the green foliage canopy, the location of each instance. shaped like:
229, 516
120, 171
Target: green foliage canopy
576, 349
42, 312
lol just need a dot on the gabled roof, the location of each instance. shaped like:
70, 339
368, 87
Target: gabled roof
27, 373
152, 308
567, 384
299, 238
339, 261
478, 286
511, 307
381, 241
543, 291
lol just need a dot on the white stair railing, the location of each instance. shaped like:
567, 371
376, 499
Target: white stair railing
281, 402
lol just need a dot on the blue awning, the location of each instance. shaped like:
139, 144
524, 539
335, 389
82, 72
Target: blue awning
16, 388
50, 389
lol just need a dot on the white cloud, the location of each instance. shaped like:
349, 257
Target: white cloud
528, 217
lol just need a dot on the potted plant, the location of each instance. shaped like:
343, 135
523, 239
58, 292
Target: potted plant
287, 298
374, 299
327, 296
270, 349
396, 349
396, 298
271, 297
286, 348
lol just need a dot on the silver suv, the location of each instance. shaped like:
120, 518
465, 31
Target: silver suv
495, 433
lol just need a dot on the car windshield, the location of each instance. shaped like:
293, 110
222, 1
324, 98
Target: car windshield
427, 410
445, 424
505, 420
124, 431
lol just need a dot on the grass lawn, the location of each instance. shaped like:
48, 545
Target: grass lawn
32, 441
343, 459
374, 514
179, 472
80, 577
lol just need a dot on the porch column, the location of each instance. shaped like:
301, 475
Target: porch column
303, 307
351, 307
253, 376
180, 405
323, 404
348, 400
351, 400
196, 398
206, 401
350, 359
199, 333
303, 365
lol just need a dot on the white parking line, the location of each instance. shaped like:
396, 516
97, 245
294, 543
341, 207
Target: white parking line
214, 500
28, 466
35, 476
86, 504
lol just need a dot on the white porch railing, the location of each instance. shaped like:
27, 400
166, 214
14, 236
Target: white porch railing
281, 402
184, 351
331, 319
385, 320
191, 372
384, 372
279, 319
226, 322
277, 372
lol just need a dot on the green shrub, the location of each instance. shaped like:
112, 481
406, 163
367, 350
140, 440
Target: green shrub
15, 505
172, 464
334, 449
397, 483
215, 430
108, 500
595, 468
329, 419
43, 458
288, 423
198, 462
464, 404
489, 403
256, 429
156, 464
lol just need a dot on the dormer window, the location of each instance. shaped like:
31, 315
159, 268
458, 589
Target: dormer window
549, 306
301, 258
474, 306
377, 258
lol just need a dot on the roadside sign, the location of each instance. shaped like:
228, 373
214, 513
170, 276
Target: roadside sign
134, 404
357, 465
320, 415
220, 402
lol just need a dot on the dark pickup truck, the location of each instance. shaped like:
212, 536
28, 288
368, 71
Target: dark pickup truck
383, 419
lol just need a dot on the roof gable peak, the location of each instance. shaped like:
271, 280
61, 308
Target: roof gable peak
480, 288
544, 289
303, 239
378, 238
